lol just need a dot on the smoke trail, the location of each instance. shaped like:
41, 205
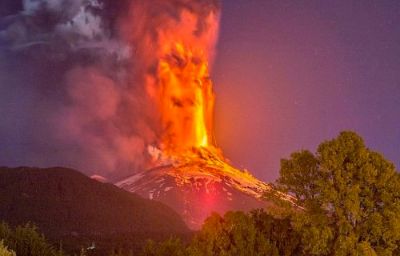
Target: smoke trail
89, 68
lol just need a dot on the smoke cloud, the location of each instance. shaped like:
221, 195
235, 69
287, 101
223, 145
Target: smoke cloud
77, 78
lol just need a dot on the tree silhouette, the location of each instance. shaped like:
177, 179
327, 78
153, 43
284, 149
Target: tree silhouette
350, 197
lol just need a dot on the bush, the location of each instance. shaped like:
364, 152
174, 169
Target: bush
27, 241
172, 246
4, 251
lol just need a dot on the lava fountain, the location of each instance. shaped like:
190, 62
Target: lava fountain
182, 91
179, 83
186, 99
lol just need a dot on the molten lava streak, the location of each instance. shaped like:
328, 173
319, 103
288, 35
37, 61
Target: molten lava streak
186, 99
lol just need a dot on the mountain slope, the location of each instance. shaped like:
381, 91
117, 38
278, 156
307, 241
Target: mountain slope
64, 202
197, 184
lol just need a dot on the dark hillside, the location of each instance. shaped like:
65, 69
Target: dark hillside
65, 203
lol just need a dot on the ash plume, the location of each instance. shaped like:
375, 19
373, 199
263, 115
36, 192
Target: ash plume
77, 77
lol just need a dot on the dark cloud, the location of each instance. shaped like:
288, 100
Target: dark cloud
10, 7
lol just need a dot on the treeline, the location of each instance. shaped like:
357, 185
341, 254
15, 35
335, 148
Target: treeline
236, 233
25, 241
346, 201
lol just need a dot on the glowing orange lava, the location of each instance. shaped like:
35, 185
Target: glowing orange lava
186, 99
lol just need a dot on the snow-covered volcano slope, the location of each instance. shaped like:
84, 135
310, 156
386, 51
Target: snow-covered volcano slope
197, 184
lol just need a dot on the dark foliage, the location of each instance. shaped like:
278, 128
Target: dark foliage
27, 241
350, 198
236, 233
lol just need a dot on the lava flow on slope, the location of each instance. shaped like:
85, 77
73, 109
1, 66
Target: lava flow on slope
188, 171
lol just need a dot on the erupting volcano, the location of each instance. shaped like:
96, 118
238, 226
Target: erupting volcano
188, 171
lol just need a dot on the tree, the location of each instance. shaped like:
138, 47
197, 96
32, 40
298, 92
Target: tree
238, 233
278, 233
26, 240
4, 251
234, 234
348, 198
172, 246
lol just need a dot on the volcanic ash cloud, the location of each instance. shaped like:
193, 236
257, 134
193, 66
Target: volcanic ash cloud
99, 74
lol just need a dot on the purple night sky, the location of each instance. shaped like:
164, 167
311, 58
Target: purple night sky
290, 74
287, 75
